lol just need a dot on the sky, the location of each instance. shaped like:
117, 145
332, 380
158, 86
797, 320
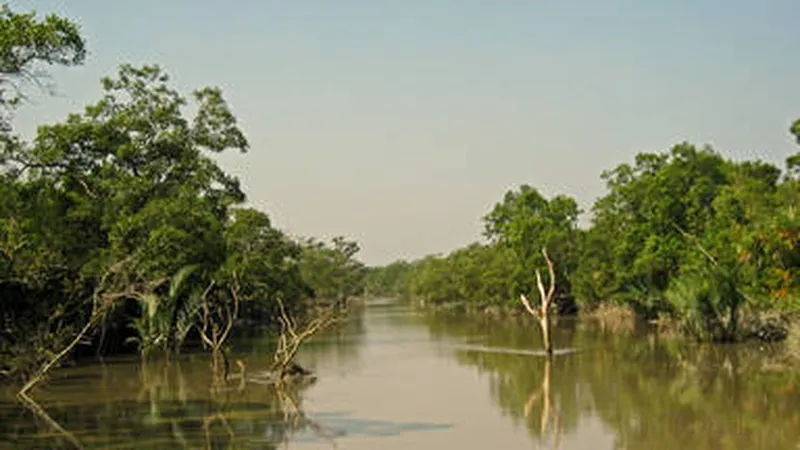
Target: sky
399, 123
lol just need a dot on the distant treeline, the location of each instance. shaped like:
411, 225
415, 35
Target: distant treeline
686, 235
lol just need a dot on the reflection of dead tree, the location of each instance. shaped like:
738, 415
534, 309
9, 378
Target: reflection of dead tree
242, 375
41, 413
548, 410
291, 338
293, 420
209, 420
543, 313
296, 419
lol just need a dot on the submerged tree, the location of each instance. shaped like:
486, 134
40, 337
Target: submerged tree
542, 313
293, 335
334, 275
526, 221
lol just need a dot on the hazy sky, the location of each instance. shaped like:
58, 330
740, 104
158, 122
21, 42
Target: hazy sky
400, 122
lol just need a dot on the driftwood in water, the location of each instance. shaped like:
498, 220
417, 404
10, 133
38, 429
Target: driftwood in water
542, 313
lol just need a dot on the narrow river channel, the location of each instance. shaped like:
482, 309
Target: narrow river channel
394, 378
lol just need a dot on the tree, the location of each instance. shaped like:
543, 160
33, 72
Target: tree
389, 280
546, 299
332, 269
27, 209
526, 222
685, 235
125, 196
634, 246
25, 43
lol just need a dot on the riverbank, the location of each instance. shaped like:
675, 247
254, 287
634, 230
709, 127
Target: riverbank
770, 327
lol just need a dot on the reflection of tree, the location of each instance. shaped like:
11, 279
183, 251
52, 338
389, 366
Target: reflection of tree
171, 405
296, 419
41, 414
181, 404
514, 332
549, 413
662, 395
654, 393
532, 390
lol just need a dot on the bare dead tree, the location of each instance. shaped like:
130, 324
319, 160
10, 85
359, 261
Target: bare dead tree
291, 338
217, 322
543, 312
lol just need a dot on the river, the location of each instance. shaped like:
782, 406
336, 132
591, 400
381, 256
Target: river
394, 378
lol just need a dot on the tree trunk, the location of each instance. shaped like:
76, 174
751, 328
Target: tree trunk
544, 322
543, 312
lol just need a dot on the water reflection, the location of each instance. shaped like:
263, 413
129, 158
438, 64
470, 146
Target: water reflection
653, 393
393, 378
124, 404
157, 405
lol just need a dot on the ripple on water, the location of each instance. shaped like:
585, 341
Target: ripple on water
512, 351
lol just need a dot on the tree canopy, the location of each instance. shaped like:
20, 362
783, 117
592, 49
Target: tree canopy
121, 215
27, 43
685, 234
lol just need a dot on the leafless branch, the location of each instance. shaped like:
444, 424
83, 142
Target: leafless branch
290, 339
527, 304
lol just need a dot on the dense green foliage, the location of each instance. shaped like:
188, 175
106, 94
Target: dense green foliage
121, 216
332, 270
389, 280
685, 234
27, 42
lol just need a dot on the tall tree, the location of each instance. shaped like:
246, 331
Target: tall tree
27, 42
525, 221
332, 269
110, 205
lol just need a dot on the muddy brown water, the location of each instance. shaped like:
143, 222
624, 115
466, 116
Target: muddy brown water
393, 378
